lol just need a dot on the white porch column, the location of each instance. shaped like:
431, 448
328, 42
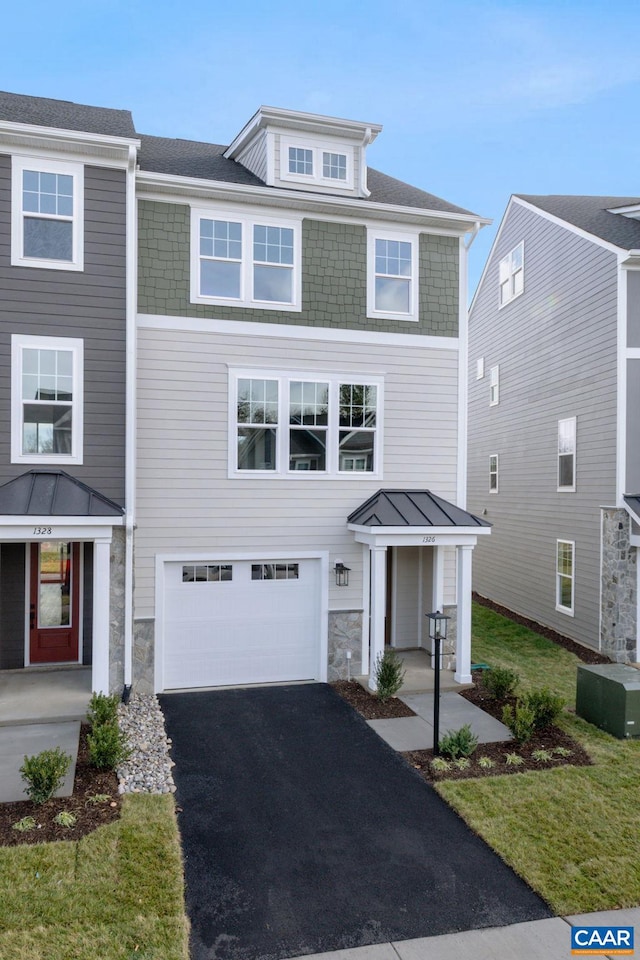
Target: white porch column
378, 608
101, 608
463, 638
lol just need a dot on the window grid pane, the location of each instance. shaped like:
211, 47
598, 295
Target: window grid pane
47, 193
334, 166
300, 161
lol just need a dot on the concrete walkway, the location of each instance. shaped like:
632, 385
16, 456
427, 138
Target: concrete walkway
533, 940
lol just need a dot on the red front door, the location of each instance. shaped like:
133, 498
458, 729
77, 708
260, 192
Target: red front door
54, 605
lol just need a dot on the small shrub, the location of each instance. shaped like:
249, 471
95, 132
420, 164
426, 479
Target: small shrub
513, 759
541, 756
24, 825
99, 798
501, 682
486, 763
462, 763
108, 747
562, 752
65, 819
389, 674
102, 710
546, 707
459, 743
44, 773
440, 765
521, 721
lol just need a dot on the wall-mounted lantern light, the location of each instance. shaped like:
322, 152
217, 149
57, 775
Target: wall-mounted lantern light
342, 574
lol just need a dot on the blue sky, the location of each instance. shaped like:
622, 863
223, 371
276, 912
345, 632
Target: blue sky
478, 99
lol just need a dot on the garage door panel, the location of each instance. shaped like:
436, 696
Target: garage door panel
240, 630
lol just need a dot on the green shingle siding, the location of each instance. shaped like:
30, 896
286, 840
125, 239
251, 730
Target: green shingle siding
334, 277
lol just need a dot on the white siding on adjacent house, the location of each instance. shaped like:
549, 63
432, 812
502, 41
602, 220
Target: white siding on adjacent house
556, 347
188, 503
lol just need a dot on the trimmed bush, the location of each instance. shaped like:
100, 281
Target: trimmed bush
108, 747
44, 773
458, 743
102, 709
389, 674
521, 721
501, 682
546, 707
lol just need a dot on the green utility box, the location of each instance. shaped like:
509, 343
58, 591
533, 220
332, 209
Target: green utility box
608, 696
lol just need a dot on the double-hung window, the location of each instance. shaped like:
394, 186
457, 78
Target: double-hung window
567, 455
304, 425
245, 261
392, 275
494, 386
47, 213
46, 400
565, 576
493, 473
511, 275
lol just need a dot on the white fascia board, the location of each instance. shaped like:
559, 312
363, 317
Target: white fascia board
186, 189
632, 211
292, 331
417, 536
632, 260
27, 529
21, 137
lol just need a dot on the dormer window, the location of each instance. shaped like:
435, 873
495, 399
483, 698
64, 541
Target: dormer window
301, 161
315, 163
334, 166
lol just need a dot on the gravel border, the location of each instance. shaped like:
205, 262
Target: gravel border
148, 769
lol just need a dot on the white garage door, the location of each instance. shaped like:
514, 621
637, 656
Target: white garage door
241, 621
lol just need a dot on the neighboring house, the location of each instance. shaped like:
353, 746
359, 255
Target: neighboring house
66, 196
300, 408
554, 431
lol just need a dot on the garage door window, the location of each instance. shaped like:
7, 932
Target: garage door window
206, 572
274, 571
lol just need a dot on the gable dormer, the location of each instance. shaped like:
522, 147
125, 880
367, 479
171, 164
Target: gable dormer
305, 151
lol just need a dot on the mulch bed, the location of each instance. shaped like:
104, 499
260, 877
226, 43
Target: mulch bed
88, 782
368, 705
586, 654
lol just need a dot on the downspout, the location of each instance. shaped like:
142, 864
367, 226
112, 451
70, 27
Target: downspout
366, 140
130, 429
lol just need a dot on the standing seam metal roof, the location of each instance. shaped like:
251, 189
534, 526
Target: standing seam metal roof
412, 508
53, 493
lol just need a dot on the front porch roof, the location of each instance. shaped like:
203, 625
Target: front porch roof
412, 508
53, 493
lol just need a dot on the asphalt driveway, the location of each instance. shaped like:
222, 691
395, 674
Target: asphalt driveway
303, 832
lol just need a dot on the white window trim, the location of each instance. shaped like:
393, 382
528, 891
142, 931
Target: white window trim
20, 342
570, 611
508, 260
69, 168
412, 237
317, 147
496, 472
494, 386
282, 470
571, 488
247, 217
480, 368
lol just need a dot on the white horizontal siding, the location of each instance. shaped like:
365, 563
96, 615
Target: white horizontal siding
187, 502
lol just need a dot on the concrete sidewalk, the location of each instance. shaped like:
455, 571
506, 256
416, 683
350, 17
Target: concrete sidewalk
534, 940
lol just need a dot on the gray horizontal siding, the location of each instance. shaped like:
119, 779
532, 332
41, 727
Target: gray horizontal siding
556, 347
90, 305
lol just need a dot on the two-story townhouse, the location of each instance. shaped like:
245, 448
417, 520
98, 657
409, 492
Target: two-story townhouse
554, 434
67, 258
301, 397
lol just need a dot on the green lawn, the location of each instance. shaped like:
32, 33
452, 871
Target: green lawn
572, 833
117, 894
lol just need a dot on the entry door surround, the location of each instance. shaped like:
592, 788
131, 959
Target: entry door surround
54, 602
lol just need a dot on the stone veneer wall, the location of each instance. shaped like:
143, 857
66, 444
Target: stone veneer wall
143, 656
619, 587
345, 633
334, 277
116, 610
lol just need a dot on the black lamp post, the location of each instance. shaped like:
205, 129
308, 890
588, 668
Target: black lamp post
437, 633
